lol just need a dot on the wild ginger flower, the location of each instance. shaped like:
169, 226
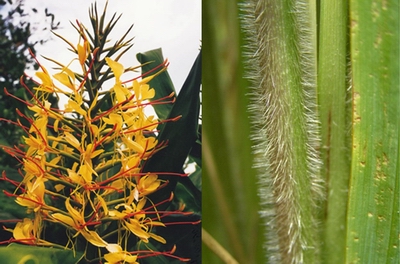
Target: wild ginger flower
133, 218
69, 158
83, 165
76, 220
33, 198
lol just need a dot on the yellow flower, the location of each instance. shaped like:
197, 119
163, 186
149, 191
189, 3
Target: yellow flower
82, 177
142, 90
147, 185
115, 120
74, 105
25, 232
36, 145
117, 255
76, 221
47, 83
33, 198
66, 77
133, 219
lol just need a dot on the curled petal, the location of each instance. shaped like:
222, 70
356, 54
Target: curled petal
116, 67
136, 228
158, 238
93, 238
24, 230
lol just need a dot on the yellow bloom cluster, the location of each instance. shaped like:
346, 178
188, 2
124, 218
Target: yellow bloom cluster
82, 165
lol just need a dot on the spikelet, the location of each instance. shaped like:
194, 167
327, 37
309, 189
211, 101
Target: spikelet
281, 66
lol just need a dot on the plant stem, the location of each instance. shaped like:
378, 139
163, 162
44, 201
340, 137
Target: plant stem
213, 244
334, 109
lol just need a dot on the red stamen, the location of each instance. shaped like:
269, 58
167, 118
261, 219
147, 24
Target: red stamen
14, 123
105, 137
150, 125
29, 241
10, 221
183, 223
4, 178
22, 197
149, 253
34, 57
164, 64
16, 98
33, 96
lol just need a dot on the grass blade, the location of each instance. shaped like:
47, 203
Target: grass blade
334, 112
373, 216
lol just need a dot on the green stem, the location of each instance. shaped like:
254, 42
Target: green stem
282, 39
216, 247
334, 112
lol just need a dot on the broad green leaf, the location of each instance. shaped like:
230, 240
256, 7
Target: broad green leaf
179, 135
373, 212
23, 254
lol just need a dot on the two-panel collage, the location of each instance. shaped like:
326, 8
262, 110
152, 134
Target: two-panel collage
199, 131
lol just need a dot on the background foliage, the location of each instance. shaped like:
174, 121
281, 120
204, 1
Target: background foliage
16, 34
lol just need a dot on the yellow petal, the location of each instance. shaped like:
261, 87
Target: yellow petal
134, 226
120, 92
133, 145
83, 51
114, 248
74, 106
116, 67
23, 230
85, 173
59, 187
93, 238
55, 160
71, 139
96, 153
64, 219
63, 78
120, 257
76, 216
44, 77
103, 204
158, 238
156, 223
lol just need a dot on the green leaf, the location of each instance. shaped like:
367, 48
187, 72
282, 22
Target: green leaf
334, 113
179, 135
162, 83
373, 212
22, 254
195, 177
187, 194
